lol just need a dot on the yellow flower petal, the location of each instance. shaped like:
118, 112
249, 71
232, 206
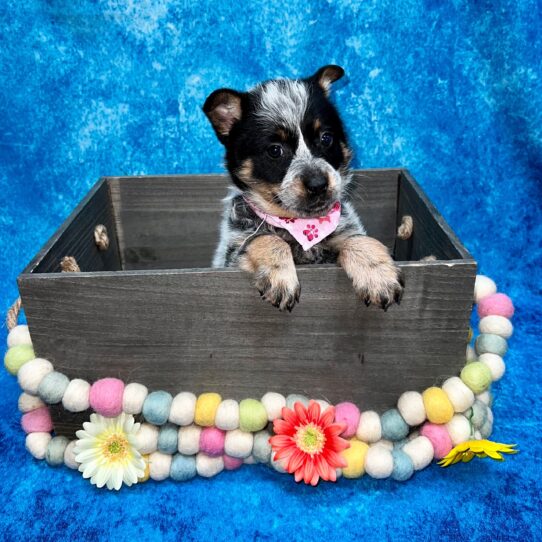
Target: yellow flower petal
480, 448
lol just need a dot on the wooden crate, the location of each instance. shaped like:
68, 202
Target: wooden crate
151, 310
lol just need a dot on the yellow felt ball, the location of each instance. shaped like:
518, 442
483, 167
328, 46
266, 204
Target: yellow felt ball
147, 473
206, 407
355, 457
438, 407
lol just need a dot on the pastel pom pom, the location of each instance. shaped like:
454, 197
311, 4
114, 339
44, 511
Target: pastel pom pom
483, 287
37, 421
54, 455
378, 462
36, 444
147, 438
183, 408
393, 425
159, 466
476, 376
183, 467
490, 344
238, 443
252, 415
69, 456
273, 403
133, 398
156, 407
52, 387
369, 428
76, 396
349, 414
355, 459
17, 356
18, 336
438, 407
411, 408
189, 437
293, 398
28, 402
227, 415
206, 407
211, 441
496, 304
460, 395
420, 450
403, 469
495, 364
439, 437
232, 463
208, 466
167, 439
261, 449
106, 397
459, 429
496, 325
32, 373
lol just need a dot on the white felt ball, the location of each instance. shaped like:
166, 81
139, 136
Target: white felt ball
369, 427
69, 456
483, 286
28, 402
188, 440
147, 438
18, 336
238, 443
487, 427
159, 466
477, 435
388, 444
208, 466
36, 444
76, 396
183, 408
459, 429
280, 465
273, 403
378, 461
133, 397
460, 395
470, 353
323, 406
227, 415
485, 397
261, 449
32, 373
497, 325
494, 363
420, 450
250, 460
411, 407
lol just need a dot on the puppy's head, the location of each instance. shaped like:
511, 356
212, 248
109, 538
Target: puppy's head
285, 143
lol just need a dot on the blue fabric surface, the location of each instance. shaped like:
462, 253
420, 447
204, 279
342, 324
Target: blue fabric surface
451, 90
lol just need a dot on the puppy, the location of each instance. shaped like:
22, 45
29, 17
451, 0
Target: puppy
288, 157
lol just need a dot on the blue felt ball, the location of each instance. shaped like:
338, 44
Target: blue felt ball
183, 467
55, 451
294, 398
52, 387
167, 439
394, 426
402, 466
488, 343
156, 407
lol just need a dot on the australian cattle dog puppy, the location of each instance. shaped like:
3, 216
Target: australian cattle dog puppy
288, 157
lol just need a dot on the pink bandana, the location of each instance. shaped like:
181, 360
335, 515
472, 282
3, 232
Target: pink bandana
306, 231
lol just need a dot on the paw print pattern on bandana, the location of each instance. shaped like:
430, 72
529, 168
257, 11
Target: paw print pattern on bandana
311, 232
287, 220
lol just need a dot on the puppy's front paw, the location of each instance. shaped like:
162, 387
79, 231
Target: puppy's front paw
279, 286
381, 285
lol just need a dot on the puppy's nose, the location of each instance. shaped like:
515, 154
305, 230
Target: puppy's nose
315, 182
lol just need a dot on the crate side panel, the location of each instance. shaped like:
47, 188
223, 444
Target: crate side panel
209, 331
77, 239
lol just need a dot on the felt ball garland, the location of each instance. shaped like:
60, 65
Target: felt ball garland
187, 435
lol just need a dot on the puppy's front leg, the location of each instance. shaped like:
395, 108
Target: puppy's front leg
269, 259
373, 272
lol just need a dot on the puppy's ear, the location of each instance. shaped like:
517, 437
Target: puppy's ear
327, 75
223, 109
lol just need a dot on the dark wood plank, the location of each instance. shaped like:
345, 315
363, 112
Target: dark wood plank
172, 222
76, 237
207, 330
431, 233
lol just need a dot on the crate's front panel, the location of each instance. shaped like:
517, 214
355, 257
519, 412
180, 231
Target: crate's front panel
209, 331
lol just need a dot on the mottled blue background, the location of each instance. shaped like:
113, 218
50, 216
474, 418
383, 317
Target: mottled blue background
451, 90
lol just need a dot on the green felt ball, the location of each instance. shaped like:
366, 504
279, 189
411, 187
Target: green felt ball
488, 343
476, 376
17, 356
252, 415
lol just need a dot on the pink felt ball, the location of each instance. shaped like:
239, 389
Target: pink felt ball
439, 437
37, 421
231, 463
106, 397
211, 441
349, 414
496, 304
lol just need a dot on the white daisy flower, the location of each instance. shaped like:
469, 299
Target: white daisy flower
107, 451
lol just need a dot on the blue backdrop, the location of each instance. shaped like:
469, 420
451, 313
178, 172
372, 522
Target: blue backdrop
451, 90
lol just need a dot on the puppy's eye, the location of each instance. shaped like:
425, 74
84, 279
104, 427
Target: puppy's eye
327, 139
275, 151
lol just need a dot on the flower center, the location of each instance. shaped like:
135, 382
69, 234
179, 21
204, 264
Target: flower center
115, 448
310, 439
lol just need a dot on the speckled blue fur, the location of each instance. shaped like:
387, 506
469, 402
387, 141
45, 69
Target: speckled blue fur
452, 90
